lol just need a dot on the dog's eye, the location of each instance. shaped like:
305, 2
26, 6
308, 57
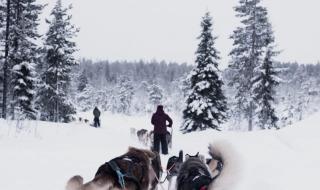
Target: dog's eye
208, 160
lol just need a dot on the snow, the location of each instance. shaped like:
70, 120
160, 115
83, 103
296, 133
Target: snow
43, 155
202, 85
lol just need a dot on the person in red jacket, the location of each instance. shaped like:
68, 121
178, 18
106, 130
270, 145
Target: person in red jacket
159, 121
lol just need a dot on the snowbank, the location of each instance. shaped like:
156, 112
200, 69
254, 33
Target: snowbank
43, 155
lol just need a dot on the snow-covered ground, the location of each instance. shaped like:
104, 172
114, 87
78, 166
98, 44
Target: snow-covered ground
42, 155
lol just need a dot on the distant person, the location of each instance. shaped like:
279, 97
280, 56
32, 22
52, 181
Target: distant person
159, 120
96, 120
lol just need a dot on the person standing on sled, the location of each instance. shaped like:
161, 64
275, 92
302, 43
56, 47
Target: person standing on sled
159, 120
96, 120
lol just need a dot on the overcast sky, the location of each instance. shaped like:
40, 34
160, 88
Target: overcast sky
168, 29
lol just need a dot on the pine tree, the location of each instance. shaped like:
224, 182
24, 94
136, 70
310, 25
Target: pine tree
85, 98
206, 104
264, 91
155, 95
5, 10
23, 54
2, 61
125, 95
53, 94
83, 81
249, 45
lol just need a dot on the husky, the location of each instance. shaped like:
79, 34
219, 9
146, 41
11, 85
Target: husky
138, 169
194, 174
173, 167
143, 136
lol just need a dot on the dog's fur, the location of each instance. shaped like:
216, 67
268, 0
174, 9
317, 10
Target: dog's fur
157, 168
173, 166
143, 136
86, 120
75, 182
191, 170
106, 179
169, 139
224, 152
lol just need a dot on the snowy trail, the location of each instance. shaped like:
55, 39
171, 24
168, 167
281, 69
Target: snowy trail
44, 155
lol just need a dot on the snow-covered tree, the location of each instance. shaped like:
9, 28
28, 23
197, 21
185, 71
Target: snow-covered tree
264, 91
83, 81
206, 104
141, 93
86, 98
155, 95
250, 41
125, 95
4, 58
23, 54
59, 59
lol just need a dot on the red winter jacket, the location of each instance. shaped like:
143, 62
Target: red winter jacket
159, 120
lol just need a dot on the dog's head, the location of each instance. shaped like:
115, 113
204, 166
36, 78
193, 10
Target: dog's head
198, 156
174, 163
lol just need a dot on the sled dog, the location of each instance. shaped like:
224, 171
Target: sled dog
173, 167
138, 169
194, 174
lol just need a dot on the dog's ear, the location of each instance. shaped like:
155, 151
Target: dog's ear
180, 159
74, 183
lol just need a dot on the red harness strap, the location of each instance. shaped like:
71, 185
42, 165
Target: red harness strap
203, 188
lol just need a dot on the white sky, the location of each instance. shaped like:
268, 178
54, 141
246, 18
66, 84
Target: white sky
167, 29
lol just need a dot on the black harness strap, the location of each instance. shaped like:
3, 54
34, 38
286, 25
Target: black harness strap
202, 181
128, 175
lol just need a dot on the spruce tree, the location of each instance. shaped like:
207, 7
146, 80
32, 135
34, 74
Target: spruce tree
264, 91
250, 41
206, 103
125, 95
86, 98
2, 44
5, 10
155, 95
23, 54
53, 98
83, 81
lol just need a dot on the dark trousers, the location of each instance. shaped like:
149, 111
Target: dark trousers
160, 139
96, 122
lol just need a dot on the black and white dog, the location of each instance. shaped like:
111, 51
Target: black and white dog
173, 167
194, 174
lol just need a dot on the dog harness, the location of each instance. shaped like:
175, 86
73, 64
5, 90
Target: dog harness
202, 181
121, 174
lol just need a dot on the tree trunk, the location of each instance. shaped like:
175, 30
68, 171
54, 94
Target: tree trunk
250, 127
5, 66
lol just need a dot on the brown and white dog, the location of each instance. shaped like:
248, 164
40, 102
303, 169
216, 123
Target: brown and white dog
142, 169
